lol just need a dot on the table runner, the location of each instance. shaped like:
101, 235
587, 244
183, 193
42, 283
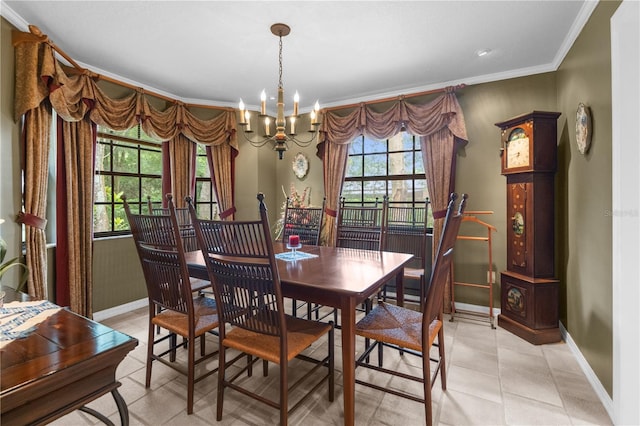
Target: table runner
18, 319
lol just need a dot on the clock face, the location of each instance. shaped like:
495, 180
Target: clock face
517, 148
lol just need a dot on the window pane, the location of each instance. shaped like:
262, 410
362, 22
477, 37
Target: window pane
419, 163
120, 222
150, 162
124, 185
352, 191
355, 147
374, 145
375, 165
401, 163
103, 157
374, 189
421, 191
125, 159
401, 190
152, 187
354, 166
102, 218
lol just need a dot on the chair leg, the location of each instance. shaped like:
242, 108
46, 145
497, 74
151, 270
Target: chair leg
221, 373
190, 374
150, 355
284, 388
173, 341
443, 361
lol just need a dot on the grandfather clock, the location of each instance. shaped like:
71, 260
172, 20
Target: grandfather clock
529, 289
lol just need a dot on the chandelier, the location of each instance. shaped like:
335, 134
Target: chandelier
281, 138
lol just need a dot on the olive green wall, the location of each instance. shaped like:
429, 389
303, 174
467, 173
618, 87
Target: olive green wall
9, 154
583, 229
478, 172
585, 202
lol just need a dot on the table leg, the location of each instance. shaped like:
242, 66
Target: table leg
348, 318
400, 288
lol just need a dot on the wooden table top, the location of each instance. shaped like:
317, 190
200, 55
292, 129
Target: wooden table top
345, 271
65, 360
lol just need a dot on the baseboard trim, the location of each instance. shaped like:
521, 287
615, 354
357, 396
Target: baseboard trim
477, 309
604, 397
120, 309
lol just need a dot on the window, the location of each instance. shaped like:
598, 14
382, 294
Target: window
205, 201
127, 163
391, 167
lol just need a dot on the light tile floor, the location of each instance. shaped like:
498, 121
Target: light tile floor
493, 378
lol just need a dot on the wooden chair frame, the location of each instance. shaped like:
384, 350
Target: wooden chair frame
395, 326
172, 305
241, 264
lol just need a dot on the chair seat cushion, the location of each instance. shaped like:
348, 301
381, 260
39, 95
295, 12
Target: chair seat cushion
300, 335
205, 313
396, 325
413, 273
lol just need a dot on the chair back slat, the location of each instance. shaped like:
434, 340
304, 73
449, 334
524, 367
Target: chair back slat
184, 223
161, 252
242, 267
432, 304
306, 222
360, 226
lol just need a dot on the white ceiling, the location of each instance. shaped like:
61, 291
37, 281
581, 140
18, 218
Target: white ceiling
338, 52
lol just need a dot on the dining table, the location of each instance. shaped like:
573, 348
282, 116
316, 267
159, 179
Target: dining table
341, 278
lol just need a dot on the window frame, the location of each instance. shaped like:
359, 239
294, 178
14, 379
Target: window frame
140, 145
387, 178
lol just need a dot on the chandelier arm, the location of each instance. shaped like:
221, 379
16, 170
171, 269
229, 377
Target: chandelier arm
257, 143
303, 143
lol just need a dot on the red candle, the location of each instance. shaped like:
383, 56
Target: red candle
294, 240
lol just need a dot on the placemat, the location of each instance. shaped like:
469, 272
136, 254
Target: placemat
289, 256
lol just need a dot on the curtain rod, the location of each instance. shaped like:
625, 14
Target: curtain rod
38, 33
396, 98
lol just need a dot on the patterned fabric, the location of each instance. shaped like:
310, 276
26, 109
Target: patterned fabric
19, 319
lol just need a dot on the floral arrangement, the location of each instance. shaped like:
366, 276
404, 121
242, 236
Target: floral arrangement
296, 200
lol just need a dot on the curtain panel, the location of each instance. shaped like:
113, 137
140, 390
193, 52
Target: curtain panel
440, 125
76, 96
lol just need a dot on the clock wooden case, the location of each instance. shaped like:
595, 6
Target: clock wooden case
529, 291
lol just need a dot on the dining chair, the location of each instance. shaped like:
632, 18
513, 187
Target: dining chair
172, 304
411, 331
189, 241
305, 222
360, 227
184, 223
405, 231
242, 266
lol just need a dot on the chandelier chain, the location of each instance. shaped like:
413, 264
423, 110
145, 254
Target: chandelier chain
280, 67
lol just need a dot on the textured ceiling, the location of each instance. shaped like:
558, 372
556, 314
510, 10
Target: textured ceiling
338, 52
